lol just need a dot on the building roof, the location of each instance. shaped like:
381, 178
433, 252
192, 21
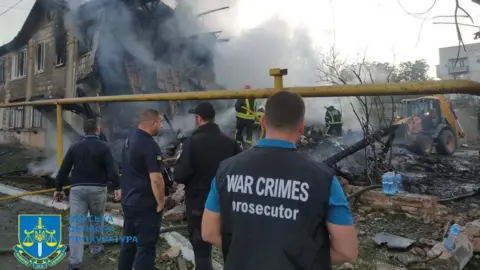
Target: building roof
28, 28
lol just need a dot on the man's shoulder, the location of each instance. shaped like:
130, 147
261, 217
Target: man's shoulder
234, 160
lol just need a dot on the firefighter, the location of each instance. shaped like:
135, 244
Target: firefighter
246, 109
333, 121
272, 207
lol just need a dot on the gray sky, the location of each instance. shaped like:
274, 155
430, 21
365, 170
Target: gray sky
380, 27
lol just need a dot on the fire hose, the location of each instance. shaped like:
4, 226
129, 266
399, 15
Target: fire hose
262, 130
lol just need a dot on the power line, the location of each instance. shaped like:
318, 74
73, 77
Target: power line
417, 13
10, 8
2, 7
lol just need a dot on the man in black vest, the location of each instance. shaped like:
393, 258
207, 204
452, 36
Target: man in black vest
196, 167
273, 208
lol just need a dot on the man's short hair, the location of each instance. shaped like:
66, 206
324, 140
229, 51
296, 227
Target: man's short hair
284, 111
90, 125
149, 115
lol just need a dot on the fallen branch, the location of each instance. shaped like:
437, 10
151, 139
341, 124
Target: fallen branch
359, 192
460, 197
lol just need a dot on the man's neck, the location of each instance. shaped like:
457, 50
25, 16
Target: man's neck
281, 136
143, 129
203, 123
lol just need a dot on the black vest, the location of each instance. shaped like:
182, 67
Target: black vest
274, 204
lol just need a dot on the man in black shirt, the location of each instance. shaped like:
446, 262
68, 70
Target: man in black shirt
196, 167
93, 166
143, 193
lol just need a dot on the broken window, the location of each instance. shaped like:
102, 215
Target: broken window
19, 65
458, 63
36, 118
40, 58
19, 117
2, 71
61, 49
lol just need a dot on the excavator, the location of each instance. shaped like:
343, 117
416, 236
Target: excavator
426, 124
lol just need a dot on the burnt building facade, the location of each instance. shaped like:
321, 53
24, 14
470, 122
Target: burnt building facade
34, 65
103, 47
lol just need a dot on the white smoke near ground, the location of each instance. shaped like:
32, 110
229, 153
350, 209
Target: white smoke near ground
49, 166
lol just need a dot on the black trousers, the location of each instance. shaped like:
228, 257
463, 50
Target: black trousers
201, 249
144, 223
335, 129
247, 125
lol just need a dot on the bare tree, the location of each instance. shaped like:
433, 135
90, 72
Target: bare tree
334, 70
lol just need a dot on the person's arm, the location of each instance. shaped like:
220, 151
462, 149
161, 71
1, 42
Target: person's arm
343, 236
64, 171
327, 117
111, 169
155, 169
239, 104
183, 169
237, 149
211, 218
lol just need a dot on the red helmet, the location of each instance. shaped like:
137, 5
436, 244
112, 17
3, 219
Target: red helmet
247, 87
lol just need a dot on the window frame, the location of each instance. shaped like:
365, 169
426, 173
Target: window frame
14, 67
10, 122
63, 52
36, 112
2, 70
43, 55
19, 117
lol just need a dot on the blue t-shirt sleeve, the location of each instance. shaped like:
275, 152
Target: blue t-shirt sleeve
213, 203
338, 210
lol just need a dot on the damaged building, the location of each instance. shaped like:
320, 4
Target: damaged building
37, 63
102, 47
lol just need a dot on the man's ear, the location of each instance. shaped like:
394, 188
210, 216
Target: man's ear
301, 127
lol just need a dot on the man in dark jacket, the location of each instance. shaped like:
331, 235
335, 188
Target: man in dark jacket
246, 109
92, 165
196, 167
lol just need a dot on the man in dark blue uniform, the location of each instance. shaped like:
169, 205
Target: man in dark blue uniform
273, 208
196, 167
143, 193
92, 165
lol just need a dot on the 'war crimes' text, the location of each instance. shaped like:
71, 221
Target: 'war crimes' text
267, 187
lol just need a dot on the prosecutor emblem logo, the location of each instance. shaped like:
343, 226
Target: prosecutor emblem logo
39, 241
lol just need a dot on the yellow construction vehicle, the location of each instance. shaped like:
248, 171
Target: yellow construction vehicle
426, 123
